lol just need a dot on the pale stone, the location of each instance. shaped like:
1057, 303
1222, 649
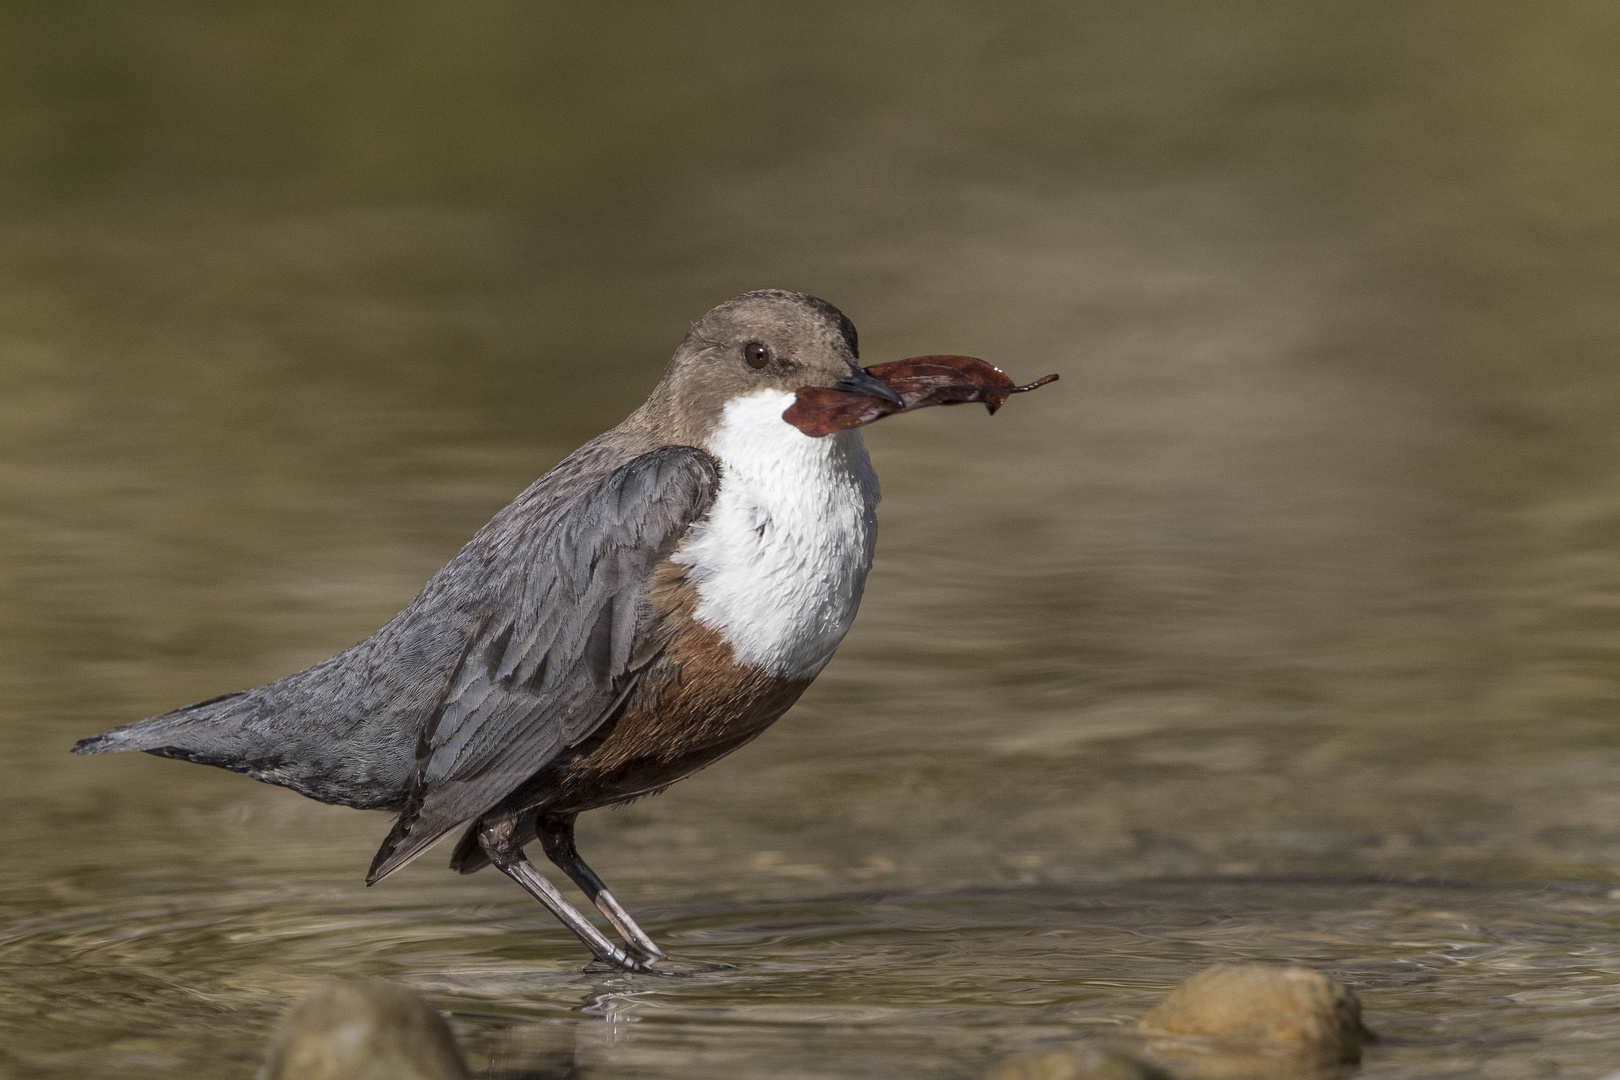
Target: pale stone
343, 1030
1272, 1008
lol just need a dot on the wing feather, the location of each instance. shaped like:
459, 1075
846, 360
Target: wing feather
568, 631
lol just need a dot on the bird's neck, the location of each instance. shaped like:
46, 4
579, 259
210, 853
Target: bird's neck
780, 562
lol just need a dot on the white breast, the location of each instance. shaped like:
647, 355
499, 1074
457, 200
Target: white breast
781, 559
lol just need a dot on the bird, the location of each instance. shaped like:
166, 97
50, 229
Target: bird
654, 602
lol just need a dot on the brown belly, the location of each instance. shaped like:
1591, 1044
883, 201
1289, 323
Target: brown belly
693, 706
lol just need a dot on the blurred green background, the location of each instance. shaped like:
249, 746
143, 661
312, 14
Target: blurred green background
1304, 576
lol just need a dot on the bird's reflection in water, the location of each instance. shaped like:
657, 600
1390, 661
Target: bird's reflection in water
614, 1006
553, 1051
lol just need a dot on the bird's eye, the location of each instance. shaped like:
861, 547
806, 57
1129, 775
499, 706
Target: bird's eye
756, 354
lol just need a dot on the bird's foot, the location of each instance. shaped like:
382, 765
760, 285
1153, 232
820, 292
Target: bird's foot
636, 941
644, 955
626, 961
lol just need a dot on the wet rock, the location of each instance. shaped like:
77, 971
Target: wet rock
346, 1030
1080, 1062
1270, 1008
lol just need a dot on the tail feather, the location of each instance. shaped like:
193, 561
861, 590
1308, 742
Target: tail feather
288, 733
174, 734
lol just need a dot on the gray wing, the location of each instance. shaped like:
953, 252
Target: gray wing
566, 633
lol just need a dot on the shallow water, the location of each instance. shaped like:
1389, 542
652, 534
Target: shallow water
1285, 626
920, 982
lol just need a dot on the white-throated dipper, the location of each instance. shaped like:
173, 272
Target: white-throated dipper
651, 604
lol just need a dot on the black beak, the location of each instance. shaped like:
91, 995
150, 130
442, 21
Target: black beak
859, 382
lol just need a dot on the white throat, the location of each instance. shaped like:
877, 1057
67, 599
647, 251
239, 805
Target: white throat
781, 559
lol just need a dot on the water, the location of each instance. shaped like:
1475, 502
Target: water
1285, 626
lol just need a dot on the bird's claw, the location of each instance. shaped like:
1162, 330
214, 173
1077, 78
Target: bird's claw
620, 960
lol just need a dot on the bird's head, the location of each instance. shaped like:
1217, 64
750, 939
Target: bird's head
801, 350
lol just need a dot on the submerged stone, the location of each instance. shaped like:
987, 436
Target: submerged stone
371, 1030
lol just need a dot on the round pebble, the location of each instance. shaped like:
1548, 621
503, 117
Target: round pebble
343, 1030
1269, 1007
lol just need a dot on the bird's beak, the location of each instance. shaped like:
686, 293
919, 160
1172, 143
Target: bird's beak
861, 381
866, 394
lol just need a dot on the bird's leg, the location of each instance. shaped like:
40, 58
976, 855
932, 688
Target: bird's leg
557, 837
499, 839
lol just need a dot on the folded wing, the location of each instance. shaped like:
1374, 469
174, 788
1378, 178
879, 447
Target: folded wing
558, 648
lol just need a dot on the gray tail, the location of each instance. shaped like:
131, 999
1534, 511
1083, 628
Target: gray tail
194, 733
